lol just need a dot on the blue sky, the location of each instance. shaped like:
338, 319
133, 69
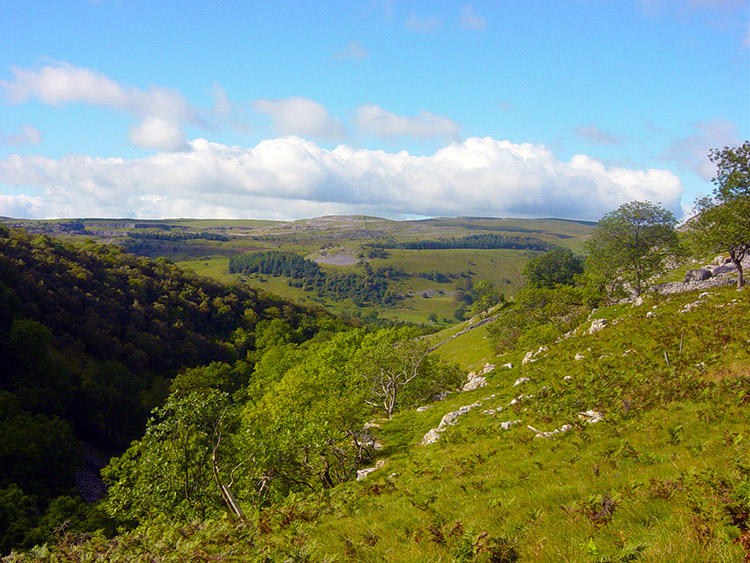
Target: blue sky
285, 110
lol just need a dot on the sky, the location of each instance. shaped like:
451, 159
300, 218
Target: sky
397, 109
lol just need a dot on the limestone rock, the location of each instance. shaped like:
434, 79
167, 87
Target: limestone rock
698, 274
528, 358
474, 382
541, 434
362, 473
520, 380
597, 325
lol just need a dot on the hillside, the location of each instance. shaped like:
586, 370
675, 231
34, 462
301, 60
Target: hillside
424, 282
626, 441
91, 339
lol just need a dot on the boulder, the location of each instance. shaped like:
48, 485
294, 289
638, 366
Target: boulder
698, 274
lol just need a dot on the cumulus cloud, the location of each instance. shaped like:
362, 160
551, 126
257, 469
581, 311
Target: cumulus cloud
60, 83
301, 116
371, 119
29, 135
471, 20
597, 136
292, 177
353, 51
691, 152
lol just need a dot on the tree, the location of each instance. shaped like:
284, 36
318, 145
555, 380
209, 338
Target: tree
722, 220
399, 373
631, 244
556, 267
172, 472
486, 297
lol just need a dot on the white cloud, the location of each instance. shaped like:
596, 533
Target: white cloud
292, 177
61, 83
598, 136
301, 116
691, 152
157, 133
471, 20
353, 51
426, 25
29, 135
373, 120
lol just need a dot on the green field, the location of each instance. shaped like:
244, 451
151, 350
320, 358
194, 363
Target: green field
339, 244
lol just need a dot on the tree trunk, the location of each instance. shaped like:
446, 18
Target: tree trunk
737, 261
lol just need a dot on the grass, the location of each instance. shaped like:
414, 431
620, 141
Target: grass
654, 481
664, 476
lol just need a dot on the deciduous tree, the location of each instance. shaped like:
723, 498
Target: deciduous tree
632, 243
722, 220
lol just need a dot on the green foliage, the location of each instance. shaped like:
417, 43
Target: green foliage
397, 371
484, 241
169, 472
538, 316
631, 244
486, 297
556, 267
90, 339
30, 444
722, 221
275, 263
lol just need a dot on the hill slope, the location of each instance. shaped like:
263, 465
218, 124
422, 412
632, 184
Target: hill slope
627, 443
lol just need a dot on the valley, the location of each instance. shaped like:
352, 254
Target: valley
429, 285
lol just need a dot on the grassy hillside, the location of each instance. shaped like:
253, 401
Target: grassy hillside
626, 444
340, 244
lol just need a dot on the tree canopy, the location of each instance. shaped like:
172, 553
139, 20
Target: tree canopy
556, 267
631, 244
722, 220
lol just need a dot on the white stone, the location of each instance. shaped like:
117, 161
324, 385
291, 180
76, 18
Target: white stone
431, 437
362, 473
507, 424
520, 380
591, 416
474, 382
597, 325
